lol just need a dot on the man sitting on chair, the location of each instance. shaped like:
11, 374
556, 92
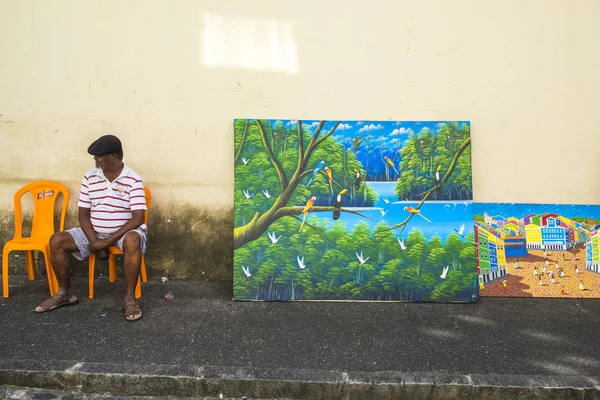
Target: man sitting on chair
111, 206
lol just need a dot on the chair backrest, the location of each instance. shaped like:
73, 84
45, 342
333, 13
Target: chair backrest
44, 195
148, 201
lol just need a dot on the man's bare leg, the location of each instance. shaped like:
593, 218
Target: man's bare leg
131, 265
61, 243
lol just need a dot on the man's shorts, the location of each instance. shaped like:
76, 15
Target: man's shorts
83, 244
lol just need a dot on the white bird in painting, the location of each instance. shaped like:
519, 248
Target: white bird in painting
466, 204
447, 206
246, 271
273, 237
245, 160
383, 212
247, 194
445, 272
300, 260
454, 204
401, 243
267, 194
361, 259
387, 201
461, 231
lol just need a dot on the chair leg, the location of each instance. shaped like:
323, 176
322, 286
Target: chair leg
138, 288
143, 269
112, 268
30, 265
52, 281
91, 272
5, 272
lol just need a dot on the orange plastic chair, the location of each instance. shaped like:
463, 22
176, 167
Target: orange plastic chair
44, 195
112, 262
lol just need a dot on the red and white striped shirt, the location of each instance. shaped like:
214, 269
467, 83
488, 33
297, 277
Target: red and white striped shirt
111, 203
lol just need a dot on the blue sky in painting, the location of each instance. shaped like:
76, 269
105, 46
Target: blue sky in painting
382, 138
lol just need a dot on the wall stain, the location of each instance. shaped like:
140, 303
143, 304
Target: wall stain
174, 248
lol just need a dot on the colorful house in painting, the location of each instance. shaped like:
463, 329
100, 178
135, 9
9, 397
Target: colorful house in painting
526, 220
490, 254
533, 236
554, 236
578, 232
513, 228
582, 233
516, 246
537, 232
592, 251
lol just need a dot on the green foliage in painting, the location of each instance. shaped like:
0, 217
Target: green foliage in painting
421, 156
333, 270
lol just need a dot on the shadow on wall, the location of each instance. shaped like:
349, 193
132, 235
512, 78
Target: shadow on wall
184, 242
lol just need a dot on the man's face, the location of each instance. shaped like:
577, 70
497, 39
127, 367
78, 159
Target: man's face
103, 161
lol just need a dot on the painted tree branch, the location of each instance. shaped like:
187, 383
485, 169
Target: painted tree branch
310, 171
317, 131
323, 138
300, 143
297, 210
239, 152
261, 222
280, 172
313, 227
451, 167
459, 151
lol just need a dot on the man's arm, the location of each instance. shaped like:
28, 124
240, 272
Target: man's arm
86, 223
137, 219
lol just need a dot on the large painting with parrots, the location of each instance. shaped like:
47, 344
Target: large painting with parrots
353, 210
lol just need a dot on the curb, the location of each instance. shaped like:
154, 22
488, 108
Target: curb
210, 381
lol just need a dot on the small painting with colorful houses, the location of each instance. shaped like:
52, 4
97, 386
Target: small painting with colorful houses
537, 250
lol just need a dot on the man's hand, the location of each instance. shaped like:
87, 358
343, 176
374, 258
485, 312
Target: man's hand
99, 246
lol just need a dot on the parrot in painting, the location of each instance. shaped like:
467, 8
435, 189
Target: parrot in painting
438, 179
357, 180
415, 211
356, 142
316, 171
328, 172
338, 204
307, 207
387, 159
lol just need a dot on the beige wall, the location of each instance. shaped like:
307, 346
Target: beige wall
168, 77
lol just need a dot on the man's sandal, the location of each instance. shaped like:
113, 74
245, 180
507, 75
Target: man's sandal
56, 301
132, 309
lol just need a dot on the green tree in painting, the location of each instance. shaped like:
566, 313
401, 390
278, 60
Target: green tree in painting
333, 271
425, 152
274, 165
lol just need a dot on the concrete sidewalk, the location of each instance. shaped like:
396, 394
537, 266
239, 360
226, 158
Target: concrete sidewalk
204, 344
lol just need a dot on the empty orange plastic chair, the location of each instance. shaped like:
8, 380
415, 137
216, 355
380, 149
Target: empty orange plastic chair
112, 262
44, 195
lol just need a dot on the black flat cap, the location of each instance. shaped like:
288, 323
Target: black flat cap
106, 144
